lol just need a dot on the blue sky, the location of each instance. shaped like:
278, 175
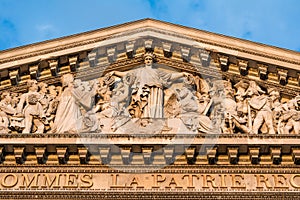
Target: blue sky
272, 22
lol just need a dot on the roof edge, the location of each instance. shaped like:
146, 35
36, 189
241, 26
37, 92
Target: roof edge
193, 33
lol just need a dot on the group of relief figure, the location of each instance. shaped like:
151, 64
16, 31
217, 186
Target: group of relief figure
148, 95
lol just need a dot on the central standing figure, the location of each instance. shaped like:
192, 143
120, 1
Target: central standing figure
147, 89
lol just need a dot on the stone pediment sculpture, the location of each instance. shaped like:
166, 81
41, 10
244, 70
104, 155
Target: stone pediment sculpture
149, 99
149, 109
143, 83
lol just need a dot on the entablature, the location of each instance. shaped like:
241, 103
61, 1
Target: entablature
158, 150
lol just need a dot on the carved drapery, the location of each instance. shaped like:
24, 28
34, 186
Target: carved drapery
151, 99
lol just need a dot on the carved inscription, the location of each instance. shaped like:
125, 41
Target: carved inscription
49, 181
207, 181
150, 181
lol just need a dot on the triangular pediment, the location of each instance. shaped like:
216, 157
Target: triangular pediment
93, 54
207, 61
152, 109
188, 44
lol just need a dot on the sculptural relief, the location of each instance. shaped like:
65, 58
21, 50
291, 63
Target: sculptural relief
145, 98
6, 111
75, 99
31, 109
147, 89
291, 117
262, 106
190, 113
53, 98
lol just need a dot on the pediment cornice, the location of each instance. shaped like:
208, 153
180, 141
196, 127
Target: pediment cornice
145, 28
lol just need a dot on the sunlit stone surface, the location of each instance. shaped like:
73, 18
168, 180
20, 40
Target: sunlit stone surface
149, 110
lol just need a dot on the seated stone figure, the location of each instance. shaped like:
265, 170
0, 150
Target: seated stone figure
189, 111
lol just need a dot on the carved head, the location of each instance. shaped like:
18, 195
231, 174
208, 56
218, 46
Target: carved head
274, 93
32, 85
6, 96
67, 79
129, 79
43, 87
253, 89
241, 87
52, 90
78, 84
148, 58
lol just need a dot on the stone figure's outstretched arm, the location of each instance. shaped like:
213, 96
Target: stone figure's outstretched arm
117, 73
176, 76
